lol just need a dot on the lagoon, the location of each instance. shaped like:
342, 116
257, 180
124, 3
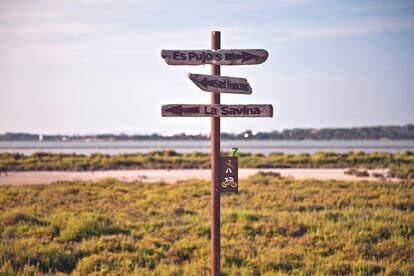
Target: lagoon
247, 146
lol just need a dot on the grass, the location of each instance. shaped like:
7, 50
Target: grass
174, 160
272, 226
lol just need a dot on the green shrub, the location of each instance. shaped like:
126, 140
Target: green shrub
171, 159
405, 171
357, 172
106, 264
45, 256
80, 226
115, 244
16, 217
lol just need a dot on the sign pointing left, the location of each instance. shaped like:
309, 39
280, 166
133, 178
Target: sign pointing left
217, 110
179, 110
221, 84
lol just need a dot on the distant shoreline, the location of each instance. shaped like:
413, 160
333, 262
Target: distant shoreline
398, 132
181, 146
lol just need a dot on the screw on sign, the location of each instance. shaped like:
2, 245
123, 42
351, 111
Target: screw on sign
229, 174
224, 170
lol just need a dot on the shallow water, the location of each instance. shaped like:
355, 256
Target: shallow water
253, 146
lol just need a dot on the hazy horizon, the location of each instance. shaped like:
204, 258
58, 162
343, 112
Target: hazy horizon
193, 133
94, 67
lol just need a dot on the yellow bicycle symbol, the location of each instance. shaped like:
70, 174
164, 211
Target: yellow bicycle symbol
229, 181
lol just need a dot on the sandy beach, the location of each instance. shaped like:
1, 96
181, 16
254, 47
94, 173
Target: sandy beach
168, 176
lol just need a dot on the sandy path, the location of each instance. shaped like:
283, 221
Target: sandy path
169, 176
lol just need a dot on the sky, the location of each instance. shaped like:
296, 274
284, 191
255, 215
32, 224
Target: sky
94, 66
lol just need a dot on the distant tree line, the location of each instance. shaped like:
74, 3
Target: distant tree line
405, 132
357, 133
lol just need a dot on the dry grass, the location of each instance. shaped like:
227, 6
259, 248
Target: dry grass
272, 226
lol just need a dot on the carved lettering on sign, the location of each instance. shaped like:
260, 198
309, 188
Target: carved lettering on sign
217, 57
217, 110
221, 84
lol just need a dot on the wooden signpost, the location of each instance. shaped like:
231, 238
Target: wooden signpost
219, 84
214, 56
217, 110
224, 170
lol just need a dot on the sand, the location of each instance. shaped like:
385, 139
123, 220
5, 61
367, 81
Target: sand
168, 176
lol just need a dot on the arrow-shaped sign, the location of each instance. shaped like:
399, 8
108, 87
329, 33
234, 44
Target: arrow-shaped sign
244, 56
216, 57
221, 84
179, 110
217, 110
206, 82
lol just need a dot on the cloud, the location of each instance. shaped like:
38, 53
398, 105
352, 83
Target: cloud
96, 47
80, 42
377, 6
367, 27
56, 29
78, 31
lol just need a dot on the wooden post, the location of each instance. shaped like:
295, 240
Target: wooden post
216, 57
215, 170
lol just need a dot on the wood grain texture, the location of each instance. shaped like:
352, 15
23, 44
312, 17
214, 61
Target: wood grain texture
215, 57
217, 110
221, 84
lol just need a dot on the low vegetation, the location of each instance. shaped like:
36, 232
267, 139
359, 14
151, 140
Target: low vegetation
404, 171
273, 225
357, 172
174, 160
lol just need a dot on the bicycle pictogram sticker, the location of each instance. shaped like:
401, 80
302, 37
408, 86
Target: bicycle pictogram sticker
228, 174
229, 181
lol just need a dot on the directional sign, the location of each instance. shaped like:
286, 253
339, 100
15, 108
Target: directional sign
229, 181
217, 110
221, 84
216, 57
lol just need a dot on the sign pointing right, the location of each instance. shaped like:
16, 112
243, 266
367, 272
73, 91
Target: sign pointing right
221, 84
216, 57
